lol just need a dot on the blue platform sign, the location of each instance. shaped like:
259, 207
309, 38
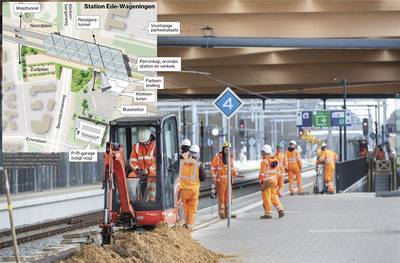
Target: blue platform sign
304, 119
228, 103
340, 118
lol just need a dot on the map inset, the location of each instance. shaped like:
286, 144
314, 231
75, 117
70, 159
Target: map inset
68, 68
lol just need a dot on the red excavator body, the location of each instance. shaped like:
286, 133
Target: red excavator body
125, 198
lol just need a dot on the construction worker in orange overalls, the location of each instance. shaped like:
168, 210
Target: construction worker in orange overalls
268, 178
219, 175
380, 153
143, 162
281, 160
363, 148
191, 172
293, 165
328, 158
364, 151
185, 146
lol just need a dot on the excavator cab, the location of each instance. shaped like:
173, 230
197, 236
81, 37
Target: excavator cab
125, 196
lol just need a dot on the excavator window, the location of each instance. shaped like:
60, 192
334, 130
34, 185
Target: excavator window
171, 160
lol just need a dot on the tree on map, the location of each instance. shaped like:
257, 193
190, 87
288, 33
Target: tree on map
85, 106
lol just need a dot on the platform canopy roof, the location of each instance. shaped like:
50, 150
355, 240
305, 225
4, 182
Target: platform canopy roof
283, 71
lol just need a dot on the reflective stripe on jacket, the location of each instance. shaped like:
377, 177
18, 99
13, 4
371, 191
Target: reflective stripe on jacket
219, 169
189, 172
266, 171
143, 156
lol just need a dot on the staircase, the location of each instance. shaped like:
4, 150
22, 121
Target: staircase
382, 176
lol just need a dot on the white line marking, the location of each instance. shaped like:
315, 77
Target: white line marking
337, 230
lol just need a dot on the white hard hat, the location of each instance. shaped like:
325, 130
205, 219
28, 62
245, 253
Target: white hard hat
324, 144
266, 149
186, 142
144, 134
194, 149
293, 142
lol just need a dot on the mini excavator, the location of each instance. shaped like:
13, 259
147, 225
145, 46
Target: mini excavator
125, 204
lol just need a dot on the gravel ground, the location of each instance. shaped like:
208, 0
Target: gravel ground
26, 249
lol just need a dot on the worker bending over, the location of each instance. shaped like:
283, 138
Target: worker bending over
143, 162
185, 146
269, 173
293, 165
328, 158
192, 173
219, 175
281, 160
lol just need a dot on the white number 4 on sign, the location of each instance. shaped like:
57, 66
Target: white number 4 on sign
228, 104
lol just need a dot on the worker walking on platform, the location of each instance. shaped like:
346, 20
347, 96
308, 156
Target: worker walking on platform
192, 173
281, 159
293, 165
328, 158
143, 162
185, 146
219, 175
268, 178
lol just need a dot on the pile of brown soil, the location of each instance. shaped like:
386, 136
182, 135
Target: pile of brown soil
164, 244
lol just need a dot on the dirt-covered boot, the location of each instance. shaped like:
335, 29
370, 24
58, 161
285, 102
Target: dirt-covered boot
266, 217
281, 213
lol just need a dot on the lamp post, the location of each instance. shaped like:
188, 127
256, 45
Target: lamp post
184, 120
344, 82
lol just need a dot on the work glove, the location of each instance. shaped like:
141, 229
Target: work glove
213, 193
266, 184
141, 172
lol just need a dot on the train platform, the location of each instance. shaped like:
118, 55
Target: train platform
350, 227
36, 207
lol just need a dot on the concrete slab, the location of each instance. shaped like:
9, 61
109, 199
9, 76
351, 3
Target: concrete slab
351, 227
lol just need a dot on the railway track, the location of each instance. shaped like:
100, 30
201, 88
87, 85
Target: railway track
51, 228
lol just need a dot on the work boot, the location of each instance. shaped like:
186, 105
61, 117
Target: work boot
281, 213
291, 193
265, 217
233, 216
300, 193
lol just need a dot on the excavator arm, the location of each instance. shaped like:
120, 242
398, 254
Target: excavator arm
114, 180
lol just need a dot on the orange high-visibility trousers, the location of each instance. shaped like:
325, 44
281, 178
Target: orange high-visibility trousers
151, 189
270, 198
222, 194
291, 174
329, 172
190, 201
281, 183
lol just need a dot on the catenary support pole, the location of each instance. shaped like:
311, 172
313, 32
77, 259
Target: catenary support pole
10, 215
344, 126
229, 172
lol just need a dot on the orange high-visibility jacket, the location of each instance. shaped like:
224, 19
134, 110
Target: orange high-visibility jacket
293, 160
190, 174
281, 159
219, 170
329, 157
266, 171
380, 155
143, 156
364, 152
